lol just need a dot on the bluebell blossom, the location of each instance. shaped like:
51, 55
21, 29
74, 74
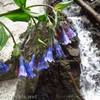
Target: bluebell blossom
22, 69
32, 62
29, 71
3, 67
42, 65
58, 49
48, 56
65, 38
70, 33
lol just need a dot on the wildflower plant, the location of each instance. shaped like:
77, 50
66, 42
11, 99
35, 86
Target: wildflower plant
40, 37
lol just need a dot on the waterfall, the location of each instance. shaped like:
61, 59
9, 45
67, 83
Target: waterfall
90, 62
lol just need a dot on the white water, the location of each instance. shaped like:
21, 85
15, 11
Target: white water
90, 62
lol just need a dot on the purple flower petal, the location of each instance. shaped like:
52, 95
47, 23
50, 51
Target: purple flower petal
42, 64
70, 33
22, 69
65, 38
58, 49
48, 56
3, 67
32, 62
29, 71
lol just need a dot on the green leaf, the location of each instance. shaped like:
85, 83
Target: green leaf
55, 17
42, 42
17, 15
21, 3
60, 6
3, 37
40, 18
16, 51
50, 24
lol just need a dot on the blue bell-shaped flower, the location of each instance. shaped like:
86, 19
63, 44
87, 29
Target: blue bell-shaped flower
32, 62
58, 49
3, 67
42, 65
29, 71
48, 56
70, 33
22, 69
64, 38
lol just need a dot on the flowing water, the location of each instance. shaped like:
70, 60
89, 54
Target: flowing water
89, 55
90, 60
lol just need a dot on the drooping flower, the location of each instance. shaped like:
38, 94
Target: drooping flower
3, 67
64, 38
22, 69
29, 71
42, 65
32, 62
58, 49
70, 33
48, 56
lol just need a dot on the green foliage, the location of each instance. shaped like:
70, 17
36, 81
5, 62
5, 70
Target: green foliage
17, 15
16, 51
41, 18
42, 42
24, 14
55, 19
3, 37
21, 3
60, 6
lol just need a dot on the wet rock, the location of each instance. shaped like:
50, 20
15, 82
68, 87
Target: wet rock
73, 51
54, 84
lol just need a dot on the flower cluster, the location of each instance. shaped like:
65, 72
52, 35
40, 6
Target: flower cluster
27, 69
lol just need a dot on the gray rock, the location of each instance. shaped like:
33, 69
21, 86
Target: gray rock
73, 51
18, 89
8, 89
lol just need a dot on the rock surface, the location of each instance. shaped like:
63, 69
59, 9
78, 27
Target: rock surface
8, 89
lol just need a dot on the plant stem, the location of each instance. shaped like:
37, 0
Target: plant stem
41, 5
34, 21
9, 32
48, 6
